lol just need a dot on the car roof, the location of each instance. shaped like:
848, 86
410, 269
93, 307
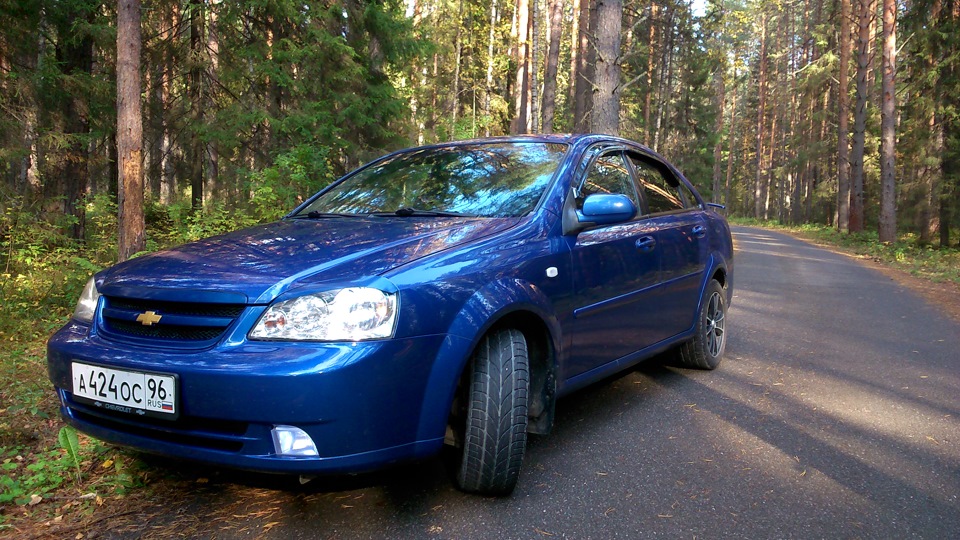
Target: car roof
572, 139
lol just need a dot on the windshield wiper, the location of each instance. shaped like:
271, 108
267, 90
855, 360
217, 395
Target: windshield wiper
416, 212
313, 214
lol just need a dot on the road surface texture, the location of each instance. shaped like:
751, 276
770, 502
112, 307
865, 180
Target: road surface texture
836, 414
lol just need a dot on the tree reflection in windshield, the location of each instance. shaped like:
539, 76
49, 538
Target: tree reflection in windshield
492, 180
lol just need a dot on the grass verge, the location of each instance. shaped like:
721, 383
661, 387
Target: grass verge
907, 253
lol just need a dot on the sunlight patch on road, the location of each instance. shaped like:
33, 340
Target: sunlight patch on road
871, 426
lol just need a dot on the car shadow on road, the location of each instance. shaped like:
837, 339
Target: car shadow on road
224, 499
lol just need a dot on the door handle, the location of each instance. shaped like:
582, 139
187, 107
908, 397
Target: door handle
699, 231
646, 243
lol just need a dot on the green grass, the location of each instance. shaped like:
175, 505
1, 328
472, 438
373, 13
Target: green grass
907, 253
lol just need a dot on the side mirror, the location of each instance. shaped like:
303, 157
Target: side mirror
606, 209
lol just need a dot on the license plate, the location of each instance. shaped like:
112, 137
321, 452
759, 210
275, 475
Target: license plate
133, 392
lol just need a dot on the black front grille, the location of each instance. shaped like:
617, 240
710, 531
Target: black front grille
191, 323
184, 333
177, 308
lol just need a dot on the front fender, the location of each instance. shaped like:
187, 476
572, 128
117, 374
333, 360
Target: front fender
482, 311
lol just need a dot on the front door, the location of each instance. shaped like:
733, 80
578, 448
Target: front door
615, 270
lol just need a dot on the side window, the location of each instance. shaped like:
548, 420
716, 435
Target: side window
688, 196
661, 196
608, 174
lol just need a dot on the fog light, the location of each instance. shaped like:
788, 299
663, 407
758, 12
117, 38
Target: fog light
293, 441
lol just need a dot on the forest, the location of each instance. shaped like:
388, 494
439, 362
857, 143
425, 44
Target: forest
838, 112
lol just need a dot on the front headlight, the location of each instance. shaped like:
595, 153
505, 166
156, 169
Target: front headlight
87, 304
351, 314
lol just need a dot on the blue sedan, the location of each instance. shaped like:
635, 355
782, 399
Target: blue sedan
445, 295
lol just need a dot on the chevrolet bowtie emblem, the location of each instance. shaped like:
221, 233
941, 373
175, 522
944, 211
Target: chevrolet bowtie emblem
148, 318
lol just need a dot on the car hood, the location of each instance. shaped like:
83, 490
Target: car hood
255, 265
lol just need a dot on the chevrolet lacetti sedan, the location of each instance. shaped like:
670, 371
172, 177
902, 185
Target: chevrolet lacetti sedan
442, 295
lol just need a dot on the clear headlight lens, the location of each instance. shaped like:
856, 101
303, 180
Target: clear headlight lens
87, 305
350, 314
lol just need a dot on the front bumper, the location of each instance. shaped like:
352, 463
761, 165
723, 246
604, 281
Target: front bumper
365, 405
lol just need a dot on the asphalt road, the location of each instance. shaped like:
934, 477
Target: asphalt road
835, 414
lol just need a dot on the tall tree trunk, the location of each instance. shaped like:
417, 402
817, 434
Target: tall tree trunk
574, 53
843, 121
456, 71
651, 50
665, 83
860, 117
731, 140
533, 98
888, 108
196, 153
489, 90
550, 69
928, 175
522, 90
761, 109
212, 180
129, 130
718, 129
76, 59
583, 77
605, 117
949, 102
168, 180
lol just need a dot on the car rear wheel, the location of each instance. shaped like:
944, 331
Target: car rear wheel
495, 431
705, 349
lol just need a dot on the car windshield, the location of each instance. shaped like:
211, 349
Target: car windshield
489, 180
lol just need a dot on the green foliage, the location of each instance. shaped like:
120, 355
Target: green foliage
67, 437
42, 269
276, 190
26, 476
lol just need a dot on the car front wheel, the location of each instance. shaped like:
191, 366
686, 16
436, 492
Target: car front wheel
495, 431
705, 349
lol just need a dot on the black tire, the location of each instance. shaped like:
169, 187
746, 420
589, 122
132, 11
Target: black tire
495, 431
705, 349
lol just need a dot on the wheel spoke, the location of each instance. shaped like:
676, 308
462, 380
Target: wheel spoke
714, 320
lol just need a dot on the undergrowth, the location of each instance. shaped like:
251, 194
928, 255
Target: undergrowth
46, 468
